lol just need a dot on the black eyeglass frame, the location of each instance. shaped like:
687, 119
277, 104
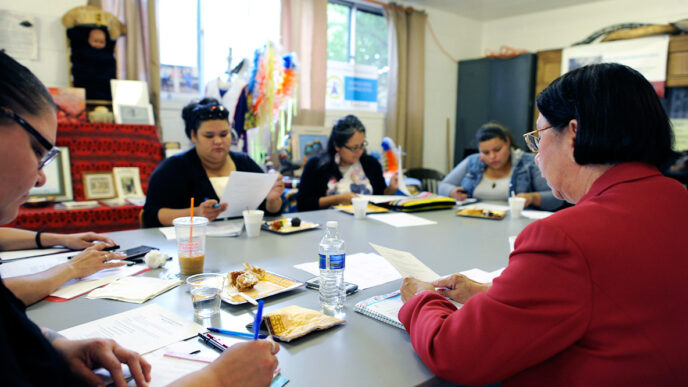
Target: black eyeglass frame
358, 149
52, 150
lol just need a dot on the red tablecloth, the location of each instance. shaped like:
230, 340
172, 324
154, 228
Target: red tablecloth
99, 219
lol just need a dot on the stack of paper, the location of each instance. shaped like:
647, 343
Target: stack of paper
134, 289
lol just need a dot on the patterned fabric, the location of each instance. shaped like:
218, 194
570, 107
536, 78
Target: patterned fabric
98, 147
353, 180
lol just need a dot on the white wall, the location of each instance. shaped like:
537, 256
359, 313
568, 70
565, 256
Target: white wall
461, 37
562, 27
52, 64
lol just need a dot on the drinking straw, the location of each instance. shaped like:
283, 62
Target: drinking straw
191, 228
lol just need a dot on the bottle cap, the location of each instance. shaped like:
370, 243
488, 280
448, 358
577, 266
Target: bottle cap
332, 223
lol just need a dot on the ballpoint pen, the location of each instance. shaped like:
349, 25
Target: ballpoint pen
215, 205
259, 318
212, 342
235, 333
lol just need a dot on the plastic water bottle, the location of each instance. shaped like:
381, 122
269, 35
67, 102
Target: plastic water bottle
332, 261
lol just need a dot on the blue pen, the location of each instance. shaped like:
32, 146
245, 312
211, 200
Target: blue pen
259, 318
214, 205
235, 333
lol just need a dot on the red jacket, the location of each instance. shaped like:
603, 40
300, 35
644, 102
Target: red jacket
593, 295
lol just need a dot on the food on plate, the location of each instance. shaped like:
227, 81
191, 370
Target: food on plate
295, 222
245, 279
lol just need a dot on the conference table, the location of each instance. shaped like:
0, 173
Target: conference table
362, 352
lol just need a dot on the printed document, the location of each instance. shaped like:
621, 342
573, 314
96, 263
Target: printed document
363, 269
143, 329
406, 264
245, 191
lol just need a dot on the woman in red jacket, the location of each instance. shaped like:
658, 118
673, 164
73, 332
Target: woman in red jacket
593, 294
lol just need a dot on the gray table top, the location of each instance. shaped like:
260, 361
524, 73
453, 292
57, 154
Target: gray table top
363, 351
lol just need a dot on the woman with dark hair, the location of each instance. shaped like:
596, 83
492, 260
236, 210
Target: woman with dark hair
594, 294
30, 356
497, 170
343, 171
202, 171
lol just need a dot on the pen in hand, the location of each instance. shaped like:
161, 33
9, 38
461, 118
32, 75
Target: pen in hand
215, 205
259, 318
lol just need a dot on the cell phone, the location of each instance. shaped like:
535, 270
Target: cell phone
135, 254
314, 283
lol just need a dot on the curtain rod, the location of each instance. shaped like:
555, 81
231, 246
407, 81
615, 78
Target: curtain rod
385, 5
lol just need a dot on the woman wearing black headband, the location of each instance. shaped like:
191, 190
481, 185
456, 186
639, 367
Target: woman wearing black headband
202, 171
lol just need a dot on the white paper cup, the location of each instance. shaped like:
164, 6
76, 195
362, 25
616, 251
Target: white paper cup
252, 221
360, 207
516, 204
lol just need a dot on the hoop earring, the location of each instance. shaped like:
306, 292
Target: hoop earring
337, 158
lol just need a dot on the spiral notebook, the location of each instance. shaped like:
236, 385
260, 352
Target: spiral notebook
384, 308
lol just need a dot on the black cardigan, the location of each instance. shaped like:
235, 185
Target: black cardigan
320, 169
182, 176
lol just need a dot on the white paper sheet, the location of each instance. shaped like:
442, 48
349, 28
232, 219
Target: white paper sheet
245, 190
534, 214
363, 269
482, 275
406, 264
401, 219
16, 254
382, 198
134, 289
143, 329
33, 265
214, 229
80, 286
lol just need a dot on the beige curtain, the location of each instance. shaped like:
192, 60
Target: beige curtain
138, 53
304, 31
406, 96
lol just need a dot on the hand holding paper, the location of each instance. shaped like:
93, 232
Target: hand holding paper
245, 190
406, 264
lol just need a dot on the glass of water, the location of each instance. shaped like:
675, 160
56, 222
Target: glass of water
206, 293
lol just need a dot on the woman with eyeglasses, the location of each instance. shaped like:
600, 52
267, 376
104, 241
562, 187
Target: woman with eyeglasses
499, 169
595, 294
31, 356
201, 172
343, 171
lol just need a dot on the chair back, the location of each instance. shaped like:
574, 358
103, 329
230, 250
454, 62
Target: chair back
430, 178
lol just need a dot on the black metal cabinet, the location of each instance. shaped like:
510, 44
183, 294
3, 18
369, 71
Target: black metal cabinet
494, 89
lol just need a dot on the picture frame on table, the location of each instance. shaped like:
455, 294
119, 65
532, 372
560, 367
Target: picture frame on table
98, 185
58, 185
134, 114
127, 182
307, 141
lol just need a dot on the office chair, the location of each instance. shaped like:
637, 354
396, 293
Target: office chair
430, 178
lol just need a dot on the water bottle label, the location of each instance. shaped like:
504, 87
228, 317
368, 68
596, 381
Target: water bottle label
332, 261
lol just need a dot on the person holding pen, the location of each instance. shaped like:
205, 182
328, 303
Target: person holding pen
202, 171
593, 295
498, 170
31, 356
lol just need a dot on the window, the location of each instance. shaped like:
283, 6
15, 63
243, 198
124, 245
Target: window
196, 38
357, 35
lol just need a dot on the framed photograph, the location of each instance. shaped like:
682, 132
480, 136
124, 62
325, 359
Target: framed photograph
71, 104
307, 141
134, 114
127, 182
98, 185
58, 185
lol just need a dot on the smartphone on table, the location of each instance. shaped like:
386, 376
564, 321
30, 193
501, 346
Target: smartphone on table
314, 283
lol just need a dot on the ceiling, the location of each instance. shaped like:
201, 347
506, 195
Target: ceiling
484, 10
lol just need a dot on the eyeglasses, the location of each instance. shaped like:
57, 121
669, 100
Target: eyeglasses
357, 148
52, 150
533, 139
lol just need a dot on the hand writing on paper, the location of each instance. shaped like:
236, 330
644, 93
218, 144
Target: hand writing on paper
85, 355
411, 286
211, 209
459, 288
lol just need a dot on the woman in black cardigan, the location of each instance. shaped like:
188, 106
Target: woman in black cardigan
343, 171
202, 171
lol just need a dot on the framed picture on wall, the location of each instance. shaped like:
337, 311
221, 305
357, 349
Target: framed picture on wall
307, 141
127, 182
58, 185
98, 185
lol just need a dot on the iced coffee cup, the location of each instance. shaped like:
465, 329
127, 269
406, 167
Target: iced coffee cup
191, 243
